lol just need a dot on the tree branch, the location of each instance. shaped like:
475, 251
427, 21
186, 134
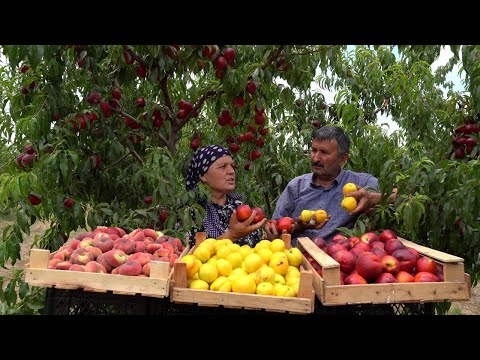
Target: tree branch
197, 106
124, 114
312, 51
115, 162
134, 55
134, 153
275, 55
385, 105
166, 97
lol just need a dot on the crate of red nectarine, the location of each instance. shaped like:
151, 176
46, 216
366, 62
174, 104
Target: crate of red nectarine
383, 269
109, 259
272, 276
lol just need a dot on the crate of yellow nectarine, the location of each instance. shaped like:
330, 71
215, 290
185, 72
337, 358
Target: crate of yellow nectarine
109, 259
383, 269
271, 276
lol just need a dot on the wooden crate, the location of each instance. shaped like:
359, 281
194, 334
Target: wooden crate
156, 285
302, 304
329, 290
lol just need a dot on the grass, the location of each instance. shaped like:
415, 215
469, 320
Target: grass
455, 310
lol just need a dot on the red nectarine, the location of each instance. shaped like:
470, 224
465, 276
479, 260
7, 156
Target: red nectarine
354, 279
369, 266
387, 234
243, 212
424, 276
390, 264
426, 264
385, 278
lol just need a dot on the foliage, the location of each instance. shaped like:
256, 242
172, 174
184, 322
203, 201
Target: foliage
139, 157
18, 298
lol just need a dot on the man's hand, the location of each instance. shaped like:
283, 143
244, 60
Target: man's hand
363, 200
366, 200
301, 226
271, 231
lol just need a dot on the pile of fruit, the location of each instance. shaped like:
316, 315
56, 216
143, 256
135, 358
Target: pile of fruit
373, 258
111, 250
266, 269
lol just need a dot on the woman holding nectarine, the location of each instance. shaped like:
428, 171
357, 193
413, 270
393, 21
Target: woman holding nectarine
214, 168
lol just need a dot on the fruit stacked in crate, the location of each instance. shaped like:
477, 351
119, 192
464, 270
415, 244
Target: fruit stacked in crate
381, 268
111, 250
377, 258
267, 269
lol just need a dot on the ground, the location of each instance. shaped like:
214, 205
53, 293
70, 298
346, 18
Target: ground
471, 307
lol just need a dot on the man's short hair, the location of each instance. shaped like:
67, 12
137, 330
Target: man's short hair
334, 132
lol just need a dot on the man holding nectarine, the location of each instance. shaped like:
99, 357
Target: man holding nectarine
323, 189
214, 168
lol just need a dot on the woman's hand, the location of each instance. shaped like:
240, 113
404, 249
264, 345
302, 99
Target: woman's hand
237, 230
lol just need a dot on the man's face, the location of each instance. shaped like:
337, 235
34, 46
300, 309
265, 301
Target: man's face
326, 161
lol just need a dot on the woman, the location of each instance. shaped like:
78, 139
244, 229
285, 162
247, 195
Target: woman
213, 166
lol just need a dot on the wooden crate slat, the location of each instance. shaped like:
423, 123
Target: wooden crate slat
37, 274
94, 290
329, 291
395, 293
39, 258
319, 255
207, 297
317, 282
67, 287
434, 254
123, 293
179, 293
130, 284
454, 272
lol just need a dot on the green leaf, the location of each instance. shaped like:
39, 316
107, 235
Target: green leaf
23, 220
62, 164
23, 289
10, 293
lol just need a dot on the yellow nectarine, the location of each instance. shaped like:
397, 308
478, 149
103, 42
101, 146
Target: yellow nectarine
348, 188
320, 216
265, 288
253, 262
244, 284
349, 203
208, 273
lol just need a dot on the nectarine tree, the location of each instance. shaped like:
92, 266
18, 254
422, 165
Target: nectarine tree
95, 142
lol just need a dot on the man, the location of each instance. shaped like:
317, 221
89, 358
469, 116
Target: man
323, 189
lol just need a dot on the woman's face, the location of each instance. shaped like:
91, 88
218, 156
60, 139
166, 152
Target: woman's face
220, 176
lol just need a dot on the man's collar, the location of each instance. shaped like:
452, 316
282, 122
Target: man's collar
337, 180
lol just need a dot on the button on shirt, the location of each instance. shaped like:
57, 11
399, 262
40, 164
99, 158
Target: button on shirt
302, 194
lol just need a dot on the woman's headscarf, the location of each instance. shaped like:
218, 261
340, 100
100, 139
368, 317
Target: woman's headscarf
199, 164
201, 161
